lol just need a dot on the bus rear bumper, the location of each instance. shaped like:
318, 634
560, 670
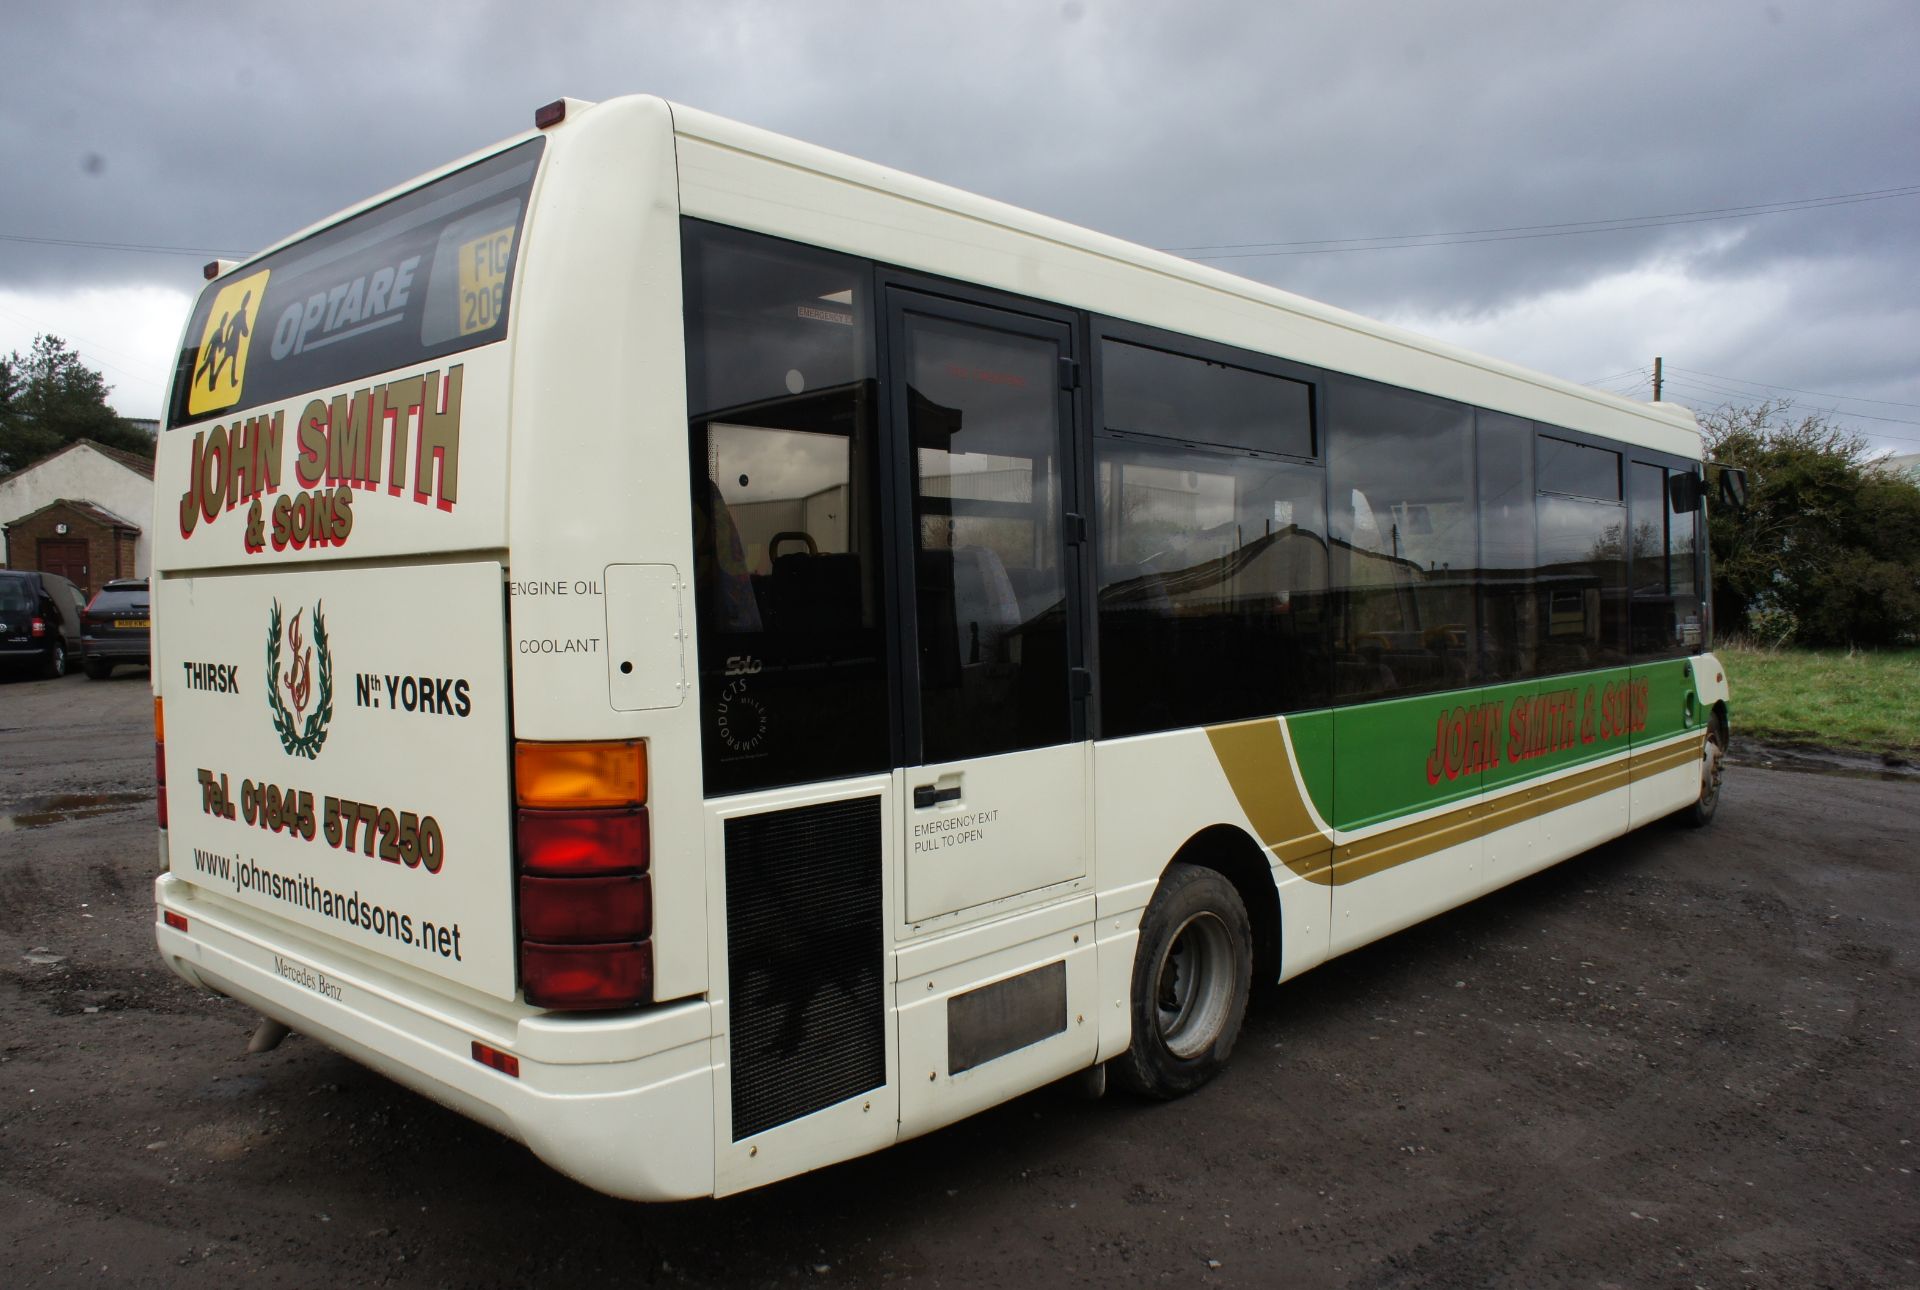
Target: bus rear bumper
623, 1103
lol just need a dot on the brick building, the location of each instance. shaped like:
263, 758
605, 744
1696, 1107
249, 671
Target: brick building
80, 512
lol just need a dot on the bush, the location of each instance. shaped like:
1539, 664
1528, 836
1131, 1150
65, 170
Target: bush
1828, 550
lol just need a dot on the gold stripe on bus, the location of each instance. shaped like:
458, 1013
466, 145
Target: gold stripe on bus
1261, 772
1362, 859
1671, 757
1264, 779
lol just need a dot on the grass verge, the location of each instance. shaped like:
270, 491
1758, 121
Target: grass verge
1835, 698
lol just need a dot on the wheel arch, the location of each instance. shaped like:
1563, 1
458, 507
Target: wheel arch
1233, 854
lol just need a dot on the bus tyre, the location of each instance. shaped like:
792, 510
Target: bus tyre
1190, 979
1713, 762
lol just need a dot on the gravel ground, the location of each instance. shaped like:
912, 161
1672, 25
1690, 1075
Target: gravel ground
1680, 1060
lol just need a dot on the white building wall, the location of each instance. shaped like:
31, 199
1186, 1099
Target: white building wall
83, 475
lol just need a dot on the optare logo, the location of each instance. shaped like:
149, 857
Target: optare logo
296, 677
222, 363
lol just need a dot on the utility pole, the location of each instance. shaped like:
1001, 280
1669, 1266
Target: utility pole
1656, 378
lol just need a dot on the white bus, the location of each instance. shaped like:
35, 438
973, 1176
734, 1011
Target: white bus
712, 657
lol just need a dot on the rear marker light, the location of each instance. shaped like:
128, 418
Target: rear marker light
550, 115
489, 1056
178, 922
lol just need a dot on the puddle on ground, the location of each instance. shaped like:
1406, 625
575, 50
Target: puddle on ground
73, 806
1809, 762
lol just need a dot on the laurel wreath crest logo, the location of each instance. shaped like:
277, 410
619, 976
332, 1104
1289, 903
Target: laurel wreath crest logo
298, 737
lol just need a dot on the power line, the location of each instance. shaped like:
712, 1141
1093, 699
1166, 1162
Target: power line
1730, 392
1687, 387
141, 247
1639, 383
1851, 398
1635, 371
90, 350
1528, 232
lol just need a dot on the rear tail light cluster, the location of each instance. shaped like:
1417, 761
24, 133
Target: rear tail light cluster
581, 847
39, 627
160, 760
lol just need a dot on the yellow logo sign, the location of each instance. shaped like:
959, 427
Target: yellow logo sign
222, 364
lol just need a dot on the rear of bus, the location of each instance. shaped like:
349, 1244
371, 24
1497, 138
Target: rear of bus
429, 775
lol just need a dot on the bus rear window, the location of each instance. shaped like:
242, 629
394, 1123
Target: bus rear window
424, 275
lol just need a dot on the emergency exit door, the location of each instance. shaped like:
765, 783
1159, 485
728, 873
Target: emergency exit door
995, 785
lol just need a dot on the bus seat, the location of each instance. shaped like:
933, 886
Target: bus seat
813, 593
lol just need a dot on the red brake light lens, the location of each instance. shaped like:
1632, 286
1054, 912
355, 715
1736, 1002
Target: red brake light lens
160, 761
178, 922
576, 843
39, 627
586, 976
574, 910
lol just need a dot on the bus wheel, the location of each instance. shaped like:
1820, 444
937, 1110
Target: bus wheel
1713, 759
1190, 978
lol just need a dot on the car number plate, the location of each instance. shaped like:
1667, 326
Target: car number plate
133, 622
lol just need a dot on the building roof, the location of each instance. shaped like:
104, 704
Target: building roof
85, 509
133, 461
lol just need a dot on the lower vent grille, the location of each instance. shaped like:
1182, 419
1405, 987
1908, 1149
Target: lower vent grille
804, 961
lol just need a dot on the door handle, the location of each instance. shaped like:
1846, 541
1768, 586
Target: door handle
925, 795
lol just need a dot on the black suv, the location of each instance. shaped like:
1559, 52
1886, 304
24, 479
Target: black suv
39, 621
117, 627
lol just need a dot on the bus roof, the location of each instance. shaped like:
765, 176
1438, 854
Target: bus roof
1454, 372
843, 202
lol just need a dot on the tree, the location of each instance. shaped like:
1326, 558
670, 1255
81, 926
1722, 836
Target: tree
1828, 551
49, 398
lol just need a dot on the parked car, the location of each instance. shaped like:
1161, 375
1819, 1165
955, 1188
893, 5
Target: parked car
39, 622
117, 627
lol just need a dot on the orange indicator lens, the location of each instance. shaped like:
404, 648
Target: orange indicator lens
580, 774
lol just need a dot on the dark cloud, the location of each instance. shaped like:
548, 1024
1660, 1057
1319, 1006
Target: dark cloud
223, 127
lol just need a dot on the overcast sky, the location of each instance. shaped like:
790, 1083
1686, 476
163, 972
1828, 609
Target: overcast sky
1778, 145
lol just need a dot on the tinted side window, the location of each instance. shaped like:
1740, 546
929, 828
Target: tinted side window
983, 414
1666, 603
1578, 470
1175, 396
1403, 532
1509, 626
1580, 584
1687, 560
1213, 574
785, 511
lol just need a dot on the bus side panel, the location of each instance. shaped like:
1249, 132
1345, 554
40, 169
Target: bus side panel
601, 552
1155, 793
1669, 724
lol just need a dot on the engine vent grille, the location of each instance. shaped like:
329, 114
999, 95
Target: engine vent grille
804, 961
